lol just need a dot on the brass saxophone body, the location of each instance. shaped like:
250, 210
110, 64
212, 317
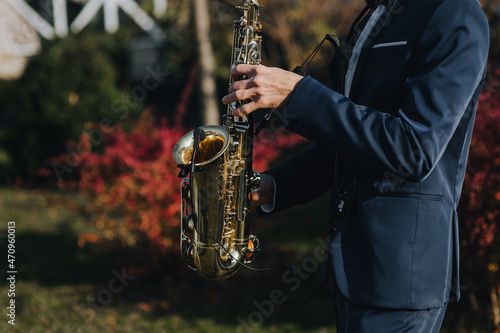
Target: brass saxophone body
215, 204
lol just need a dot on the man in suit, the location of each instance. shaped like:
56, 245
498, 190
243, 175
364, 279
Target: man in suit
391, 144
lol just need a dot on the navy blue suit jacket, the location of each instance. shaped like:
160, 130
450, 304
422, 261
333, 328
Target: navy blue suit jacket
405, 133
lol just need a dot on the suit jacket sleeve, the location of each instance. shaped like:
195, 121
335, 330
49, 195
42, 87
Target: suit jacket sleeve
447, 61
302, 178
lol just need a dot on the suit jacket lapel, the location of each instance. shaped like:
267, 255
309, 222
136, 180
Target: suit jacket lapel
366, 49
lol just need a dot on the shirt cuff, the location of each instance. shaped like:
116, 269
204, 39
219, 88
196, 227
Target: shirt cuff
269, 207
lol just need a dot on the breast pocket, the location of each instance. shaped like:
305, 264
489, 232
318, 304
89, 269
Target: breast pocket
389, 49
382, 77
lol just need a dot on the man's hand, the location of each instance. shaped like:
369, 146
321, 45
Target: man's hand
266, 193
265, 87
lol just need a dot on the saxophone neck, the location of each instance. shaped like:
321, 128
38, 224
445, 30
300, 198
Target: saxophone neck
246, 41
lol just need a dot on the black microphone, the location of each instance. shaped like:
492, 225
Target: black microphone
198, 136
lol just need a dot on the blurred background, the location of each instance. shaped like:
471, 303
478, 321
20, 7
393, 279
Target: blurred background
94, 94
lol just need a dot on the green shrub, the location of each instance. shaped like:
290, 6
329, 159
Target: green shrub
72, 81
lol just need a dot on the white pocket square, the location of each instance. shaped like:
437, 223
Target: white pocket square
403, 42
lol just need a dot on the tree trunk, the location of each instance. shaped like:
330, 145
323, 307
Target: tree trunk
211, 114
495, 307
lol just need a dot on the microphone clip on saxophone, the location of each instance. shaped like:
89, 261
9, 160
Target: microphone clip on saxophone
198, 136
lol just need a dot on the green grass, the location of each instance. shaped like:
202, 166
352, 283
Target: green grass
57, 282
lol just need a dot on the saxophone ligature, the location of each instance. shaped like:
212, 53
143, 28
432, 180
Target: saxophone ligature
218, 179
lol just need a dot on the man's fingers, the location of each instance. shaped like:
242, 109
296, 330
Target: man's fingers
259, 87
245, 109
254, 196
242, 69
241, 85
238, 95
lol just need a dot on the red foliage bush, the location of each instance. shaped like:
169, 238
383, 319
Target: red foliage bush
133, 184
479, 209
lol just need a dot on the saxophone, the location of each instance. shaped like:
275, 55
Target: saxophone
218, 179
